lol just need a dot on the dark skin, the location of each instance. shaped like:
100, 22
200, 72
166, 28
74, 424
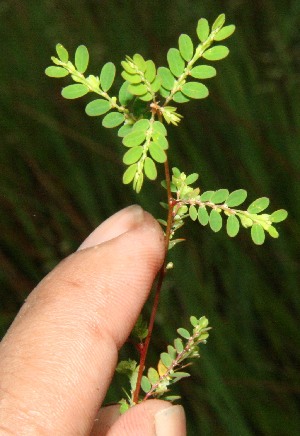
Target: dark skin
59, 356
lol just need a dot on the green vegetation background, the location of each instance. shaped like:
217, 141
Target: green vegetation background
61, 175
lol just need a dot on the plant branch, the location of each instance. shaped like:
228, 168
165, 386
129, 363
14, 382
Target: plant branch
161, 276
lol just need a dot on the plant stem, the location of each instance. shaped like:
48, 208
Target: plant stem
161, 276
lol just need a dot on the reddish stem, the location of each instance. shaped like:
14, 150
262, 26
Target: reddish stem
161, 276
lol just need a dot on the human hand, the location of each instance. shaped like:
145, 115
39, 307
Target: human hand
59, 356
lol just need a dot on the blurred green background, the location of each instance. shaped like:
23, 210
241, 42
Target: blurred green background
61, 175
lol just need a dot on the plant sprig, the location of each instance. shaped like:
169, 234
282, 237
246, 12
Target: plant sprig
142, 117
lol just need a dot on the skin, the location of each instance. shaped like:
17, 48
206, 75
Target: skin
59, 356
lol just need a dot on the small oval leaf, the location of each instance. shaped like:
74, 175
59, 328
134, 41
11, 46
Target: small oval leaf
225, 32
62, 53
203, 72
259, 205
203, 216
193, 212
136, 137
215, 221
279, 215
236, 198
74, 91
113, 119
220, 196
186, 47
157, 153
132, 155
232, 226
97, 107
129, 174
257, 234
175, 61
81, 58
216, 53
167, 78
195, 90
150, 72
107, 76
56, 72
202, 29
150, 168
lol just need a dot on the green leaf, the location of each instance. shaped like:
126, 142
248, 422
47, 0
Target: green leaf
215, 221
81, 58
202, 29
166, 359
113, 119
159, 128
273, 232
164, 92
232, 226
107, 76
225, 32
125, 96
146, 97
131, 78
150, 72
129, 174
128, 68
153, 376
219, 21
132, 155
157, 153
135, 137
257, 234
186, 47
206, 196
160, 140
138, 182
192, 178
56, 72
62, 53
220, 196
167, 78
97, 107
179, 97
171, 351
156, 84
124, 130
150, 168
203, 72
140, 62
195, 90
142, 124
175, 61
236, 198
193, 212
216, 53
259, 205
180, 375
145, 384
74, 91
137, 89
184, 333
203, 216
178, 345
279, 215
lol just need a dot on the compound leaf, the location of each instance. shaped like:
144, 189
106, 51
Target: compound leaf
113, 119
81, 58
215, 221
150, 168
107, 76
195, 90
216, 53
56, 72
202, 29
175, 61
257, 234
236, 198
75, 90
97, 107
186, 47
232, 226
258, 205
225, 32
203, 72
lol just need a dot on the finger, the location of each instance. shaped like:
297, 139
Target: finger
59, 356
150, 418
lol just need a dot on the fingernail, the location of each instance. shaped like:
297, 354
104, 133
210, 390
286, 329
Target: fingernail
170, 422
119, 223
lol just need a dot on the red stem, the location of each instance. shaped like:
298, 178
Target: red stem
161, 276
